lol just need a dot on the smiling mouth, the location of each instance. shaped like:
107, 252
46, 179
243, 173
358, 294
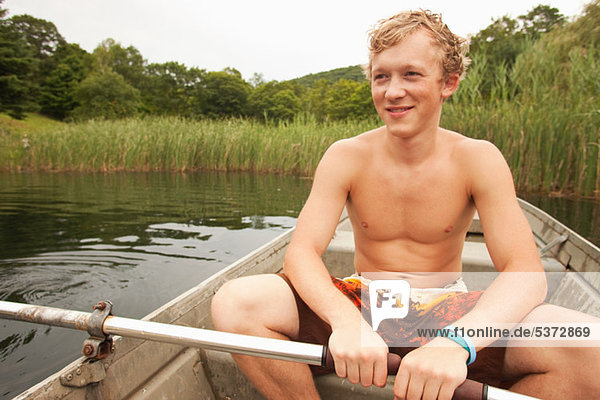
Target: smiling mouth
399, 109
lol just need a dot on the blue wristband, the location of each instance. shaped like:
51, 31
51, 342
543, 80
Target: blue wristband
451, 332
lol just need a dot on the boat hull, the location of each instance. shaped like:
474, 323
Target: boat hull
140, 369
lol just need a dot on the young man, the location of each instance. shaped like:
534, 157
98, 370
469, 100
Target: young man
411, 189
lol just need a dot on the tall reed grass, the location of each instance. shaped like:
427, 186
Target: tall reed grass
543, 114
177, 144
549, 149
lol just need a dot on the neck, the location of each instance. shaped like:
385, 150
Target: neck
412, 150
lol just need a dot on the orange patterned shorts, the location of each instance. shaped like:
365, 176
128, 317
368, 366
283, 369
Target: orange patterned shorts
438, 313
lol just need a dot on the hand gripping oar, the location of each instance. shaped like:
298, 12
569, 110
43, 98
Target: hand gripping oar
100, 323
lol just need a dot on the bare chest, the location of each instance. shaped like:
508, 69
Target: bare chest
426, 207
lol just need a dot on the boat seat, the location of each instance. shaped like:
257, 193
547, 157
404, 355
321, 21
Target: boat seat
475, 254
477, 263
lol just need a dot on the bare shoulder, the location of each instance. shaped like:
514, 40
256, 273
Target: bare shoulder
476, 154
362, 142
480, 160
473, 148
343, 160
354, 150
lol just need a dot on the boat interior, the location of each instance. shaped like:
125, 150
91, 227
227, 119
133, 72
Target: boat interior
148, 370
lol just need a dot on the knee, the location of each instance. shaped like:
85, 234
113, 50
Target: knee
255, 305
227, 306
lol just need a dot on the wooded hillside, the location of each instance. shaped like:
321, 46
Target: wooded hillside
41, 72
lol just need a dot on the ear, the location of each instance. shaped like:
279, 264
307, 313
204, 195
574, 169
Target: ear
450, 85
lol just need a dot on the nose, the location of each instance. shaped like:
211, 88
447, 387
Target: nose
395, 89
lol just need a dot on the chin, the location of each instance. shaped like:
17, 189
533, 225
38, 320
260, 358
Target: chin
399, 132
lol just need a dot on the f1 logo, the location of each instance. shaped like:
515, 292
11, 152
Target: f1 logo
389, 299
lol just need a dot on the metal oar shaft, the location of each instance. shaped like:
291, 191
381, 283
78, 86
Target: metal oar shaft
45, 315
214, 340
176, 334
501, 394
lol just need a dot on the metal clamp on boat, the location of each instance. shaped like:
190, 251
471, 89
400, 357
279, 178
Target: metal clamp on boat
98, 345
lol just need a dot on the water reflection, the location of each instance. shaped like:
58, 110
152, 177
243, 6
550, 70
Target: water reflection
70, 240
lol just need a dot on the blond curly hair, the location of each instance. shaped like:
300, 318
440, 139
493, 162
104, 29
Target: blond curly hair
391, 31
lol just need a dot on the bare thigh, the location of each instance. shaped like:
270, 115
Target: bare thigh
256, 305
524, 357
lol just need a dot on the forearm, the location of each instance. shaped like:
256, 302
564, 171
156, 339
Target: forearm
312, 281
510, 297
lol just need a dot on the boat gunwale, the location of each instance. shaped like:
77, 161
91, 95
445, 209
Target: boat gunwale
576, 253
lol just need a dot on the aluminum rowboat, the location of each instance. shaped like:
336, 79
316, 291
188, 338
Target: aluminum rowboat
143, 369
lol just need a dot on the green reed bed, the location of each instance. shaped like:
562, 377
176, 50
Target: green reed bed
549, 148
543, 113
176, 144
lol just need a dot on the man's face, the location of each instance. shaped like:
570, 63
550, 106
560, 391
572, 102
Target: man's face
408, 87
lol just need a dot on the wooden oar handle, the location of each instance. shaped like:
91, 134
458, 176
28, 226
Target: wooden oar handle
393, 361
468, 390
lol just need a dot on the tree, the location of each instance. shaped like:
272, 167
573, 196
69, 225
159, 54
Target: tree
315, 100
500, 41
57, 97
225, 94
196, 93
170, 88
350, 100
127, 62
562, 67
352, 73
542, 19
42, 35
338, 104
499, 44
106, 95
362, 102
257, 80
586, 26
42, 39
275, 101
27, 60
17, 66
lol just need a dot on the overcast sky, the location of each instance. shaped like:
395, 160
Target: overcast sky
277, 38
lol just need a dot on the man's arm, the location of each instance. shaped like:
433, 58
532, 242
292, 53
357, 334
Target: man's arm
303, 265
519, 287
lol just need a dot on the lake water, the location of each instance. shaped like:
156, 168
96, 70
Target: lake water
137, 239
70, 240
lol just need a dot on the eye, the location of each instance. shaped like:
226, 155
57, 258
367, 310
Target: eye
413, 73
379, 77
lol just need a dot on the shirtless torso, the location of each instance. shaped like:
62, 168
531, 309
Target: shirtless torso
399, 221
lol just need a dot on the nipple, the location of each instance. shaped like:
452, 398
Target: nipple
364, 224
449, 228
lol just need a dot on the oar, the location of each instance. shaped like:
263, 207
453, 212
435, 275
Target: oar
213, 340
